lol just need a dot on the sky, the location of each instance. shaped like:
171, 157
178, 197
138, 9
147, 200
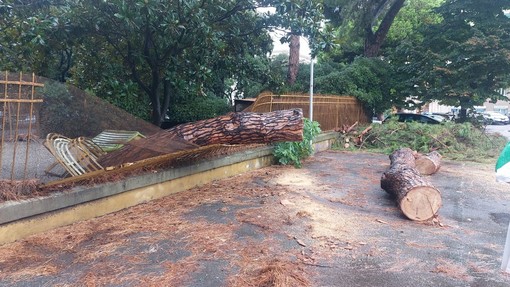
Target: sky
279, 48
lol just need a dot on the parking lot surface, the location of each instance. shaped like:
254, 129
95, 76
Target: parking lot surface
327, 224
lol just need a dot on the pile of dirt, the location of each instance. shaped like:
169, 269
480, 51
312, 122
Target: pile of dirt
72, 112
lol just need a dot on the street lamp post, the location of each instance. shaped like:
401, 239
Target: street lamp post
311, 88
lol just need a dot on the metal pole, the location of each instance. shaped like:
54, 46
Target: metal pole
311, 88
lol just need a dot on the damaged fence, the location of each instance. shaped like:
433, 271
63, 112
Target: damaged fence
18, 118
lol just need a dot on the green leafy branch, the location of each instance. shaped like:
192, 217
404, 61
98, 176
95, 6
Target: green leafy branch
293, 152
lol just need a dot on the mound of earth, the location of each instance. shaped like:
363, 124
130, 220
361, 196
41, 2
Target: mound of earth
72, 112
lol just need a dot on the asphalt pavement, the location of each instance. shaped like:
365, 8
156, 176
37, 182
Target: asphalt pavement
504, 130
326, 224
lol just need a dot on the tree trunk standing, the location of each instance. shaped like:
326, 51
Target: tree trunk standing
374, 41
156, 109
428, 164
168, 91
416, 197
462, 116
233, 128
294, 47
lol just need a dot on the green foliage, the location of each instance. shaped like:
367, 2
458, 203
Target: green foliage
361, 25
265, 74
198, 108
368, 79
170, 49
37, 37
371, 80
124, 95
461, 61
293, 152
455, 141
411, 17
58, 111
300, 17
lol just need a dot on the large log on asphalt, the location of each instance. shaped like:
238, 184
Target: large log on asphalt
417, 198
233, 128
428, 164
404, 156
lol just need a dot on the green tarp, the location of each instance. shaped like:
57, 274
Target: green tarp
503, 165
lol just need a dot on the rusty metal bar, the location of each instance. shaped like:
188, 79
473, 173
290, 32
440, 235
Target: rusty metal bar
21, 83
16, 131
25, 95
21, 101
3, 122
29, 132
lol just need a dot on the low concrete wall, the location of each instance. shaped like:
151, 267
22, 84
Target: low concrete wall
23, 218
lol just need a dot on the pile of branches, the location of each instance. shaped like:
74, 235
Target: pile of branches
459, 141
351, 136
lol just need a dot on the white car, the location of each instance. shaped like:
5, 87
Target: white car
495, 118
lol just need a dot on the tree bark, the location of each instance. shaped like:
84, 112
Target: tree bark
241, 128
374, 41
233, 128
294, 47
417, 198
428, 164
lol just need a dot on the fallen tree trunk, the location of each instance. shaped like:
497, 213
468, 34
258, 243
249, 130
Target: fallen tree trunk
233, 128
417, 198
242, 128
428, 164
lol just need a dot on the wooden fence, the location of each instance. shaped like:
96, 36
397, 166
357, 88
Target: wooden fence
330, 111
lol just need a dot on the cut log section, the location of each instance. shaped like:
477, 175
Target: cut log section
403, 156
428, 164
417, 198
233, 128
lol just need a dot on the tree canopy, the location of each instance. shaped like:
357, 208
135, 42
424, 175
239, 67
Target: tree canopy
462, 60
150, 57
367, 22
297, 18
165, 49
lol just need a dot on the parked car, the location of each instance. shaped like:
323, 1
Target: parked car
440, 116
410, 117
495, 118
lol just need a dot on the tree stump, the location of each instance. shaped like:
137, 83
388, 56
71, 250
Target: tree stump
428, 164
417, 198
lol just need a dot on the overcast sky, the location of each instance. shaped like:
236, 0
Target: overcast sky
279, 48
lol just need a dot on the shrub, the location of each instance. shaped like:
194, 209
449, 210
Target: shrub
294, 152
198, 108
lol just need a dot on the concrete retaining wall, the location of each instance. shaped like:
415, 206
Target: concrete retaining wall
23, 218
